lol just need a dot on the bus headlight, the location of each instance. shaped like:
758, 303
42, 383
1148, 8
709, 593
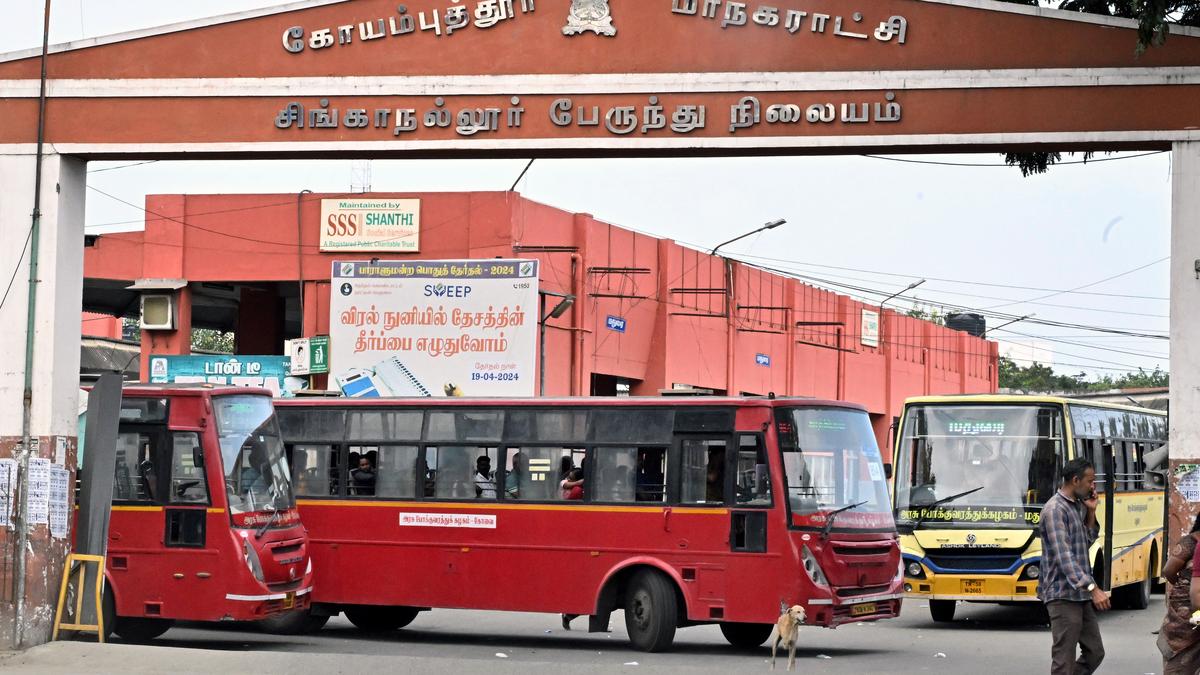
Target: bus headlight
308, 570
252, 560
1032, 572
812, 567
915, 571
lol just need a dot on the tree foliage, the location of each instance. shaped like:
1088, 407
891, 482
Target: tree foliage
1040, 378
1154, 18
206, 340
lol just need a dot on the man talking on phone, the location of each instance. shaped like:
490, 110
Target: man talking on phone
1067, 586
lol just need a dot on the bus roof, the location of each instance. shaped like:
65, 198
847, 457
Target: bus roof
609, 401
137, 389
1027, 399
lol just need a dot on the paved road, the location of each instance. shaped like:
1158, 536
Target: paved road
985, 639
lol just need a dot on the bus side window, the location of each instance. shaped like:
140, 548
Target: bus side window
703, 471
634, 474
188, 483
134, 475
1120, 466
314, 470
542, 472
396, 471
753, 479
450, 471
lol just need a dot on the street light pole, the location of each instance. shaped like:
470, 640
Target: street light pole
769, 226
564, 303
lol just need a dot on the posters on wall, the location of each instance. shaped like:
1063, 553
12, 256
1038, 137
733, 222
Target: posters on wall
38, 499
8, 485
434, 328
269, 372
60, 502
870, 328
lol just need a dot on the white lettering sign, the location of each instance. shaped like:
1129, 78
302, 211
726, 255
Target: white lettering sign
460, 520
434, 328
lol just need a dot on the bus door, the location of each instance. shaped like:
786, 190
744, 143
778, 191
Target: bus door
158, 534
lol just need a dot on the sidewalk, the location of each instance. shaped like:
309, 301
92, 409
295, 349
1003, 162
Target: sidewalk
71, 658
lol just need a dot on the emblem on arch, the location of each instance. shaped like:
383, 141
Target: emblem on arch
593, 15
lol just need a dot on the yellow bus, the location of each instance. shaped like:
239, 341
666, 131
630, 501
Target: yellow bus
971, 476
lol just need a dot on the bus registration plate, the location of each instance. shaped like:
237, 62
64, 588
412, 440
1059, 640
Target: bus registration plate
863, 609
289, 601
972, 586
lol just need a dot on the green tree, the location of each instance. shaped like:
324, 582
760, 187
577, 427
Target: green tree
207, 340
1039, 378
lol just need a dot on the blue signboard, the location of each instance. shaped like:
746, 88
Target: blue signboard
763, 360
616, 323
268, 372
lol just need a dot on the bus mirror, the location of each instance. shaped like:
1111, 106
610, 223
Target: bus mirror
887, 470
197, 457
760, 479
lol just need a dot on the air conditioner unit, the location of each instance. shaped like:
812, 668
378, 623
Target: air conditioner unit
158, 311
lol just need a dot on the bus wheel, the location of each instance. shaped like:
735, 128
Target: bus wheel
1137, 595
746, 635
942, 611
293, 623
650, 612
140, 629
380, 619
109, 610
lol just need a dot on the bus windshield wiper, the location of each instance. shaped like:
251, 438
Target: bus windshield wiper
834, 514
944, 500
270, 521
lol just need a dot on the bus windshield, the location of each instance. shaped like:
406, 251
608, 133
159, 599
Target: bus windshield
256, 470
990, 465
832, 462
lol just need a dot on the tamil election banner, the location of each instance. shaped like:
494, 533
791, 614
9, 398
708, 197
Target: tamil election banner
268, 372
434, 328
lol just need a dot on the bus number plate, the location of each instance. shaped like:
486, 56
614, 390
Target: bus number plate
972, 586
289, 601
862, 610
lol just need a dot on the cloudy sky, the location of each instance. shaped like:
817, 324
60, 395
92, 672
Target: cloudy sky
983, 236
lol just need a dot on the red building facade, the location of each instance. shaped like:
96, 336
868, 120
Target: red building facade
687, 319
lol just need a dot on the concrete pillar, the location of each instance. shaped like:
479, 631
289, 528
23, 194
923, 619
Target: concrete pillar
55, 364
1185, 328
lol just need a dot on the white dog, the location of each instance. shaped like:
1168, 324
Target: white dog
786, 632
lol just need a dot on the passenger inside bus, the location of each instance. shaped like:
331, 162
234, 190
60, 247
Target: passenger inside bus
572, 485
715, 489
362, 478
485, 480
512, 481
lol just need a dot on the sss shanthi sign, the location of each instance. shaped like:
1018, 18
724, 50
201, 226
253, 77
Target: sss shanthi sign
371, 225
268, 372
434, 328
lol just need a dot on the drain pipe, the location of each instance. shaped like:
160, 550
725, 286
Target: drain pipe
22, 510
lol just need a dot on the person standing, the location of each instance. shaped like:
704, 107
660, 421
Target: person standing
1068, 586
1178, 640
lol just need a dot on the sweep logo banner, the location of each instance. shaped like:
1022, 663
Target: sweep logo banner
434, 328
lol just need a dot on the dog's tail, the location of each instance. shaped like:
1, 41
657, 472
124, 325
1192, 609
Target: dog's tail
783, 606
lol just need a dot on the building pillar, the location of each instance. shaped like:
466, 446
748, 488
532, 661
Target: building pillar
55, 383
1185, 330
260, 322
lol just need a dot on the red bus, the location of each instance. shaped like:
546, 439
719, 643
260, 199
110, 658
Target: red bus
204, 524
692, 511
